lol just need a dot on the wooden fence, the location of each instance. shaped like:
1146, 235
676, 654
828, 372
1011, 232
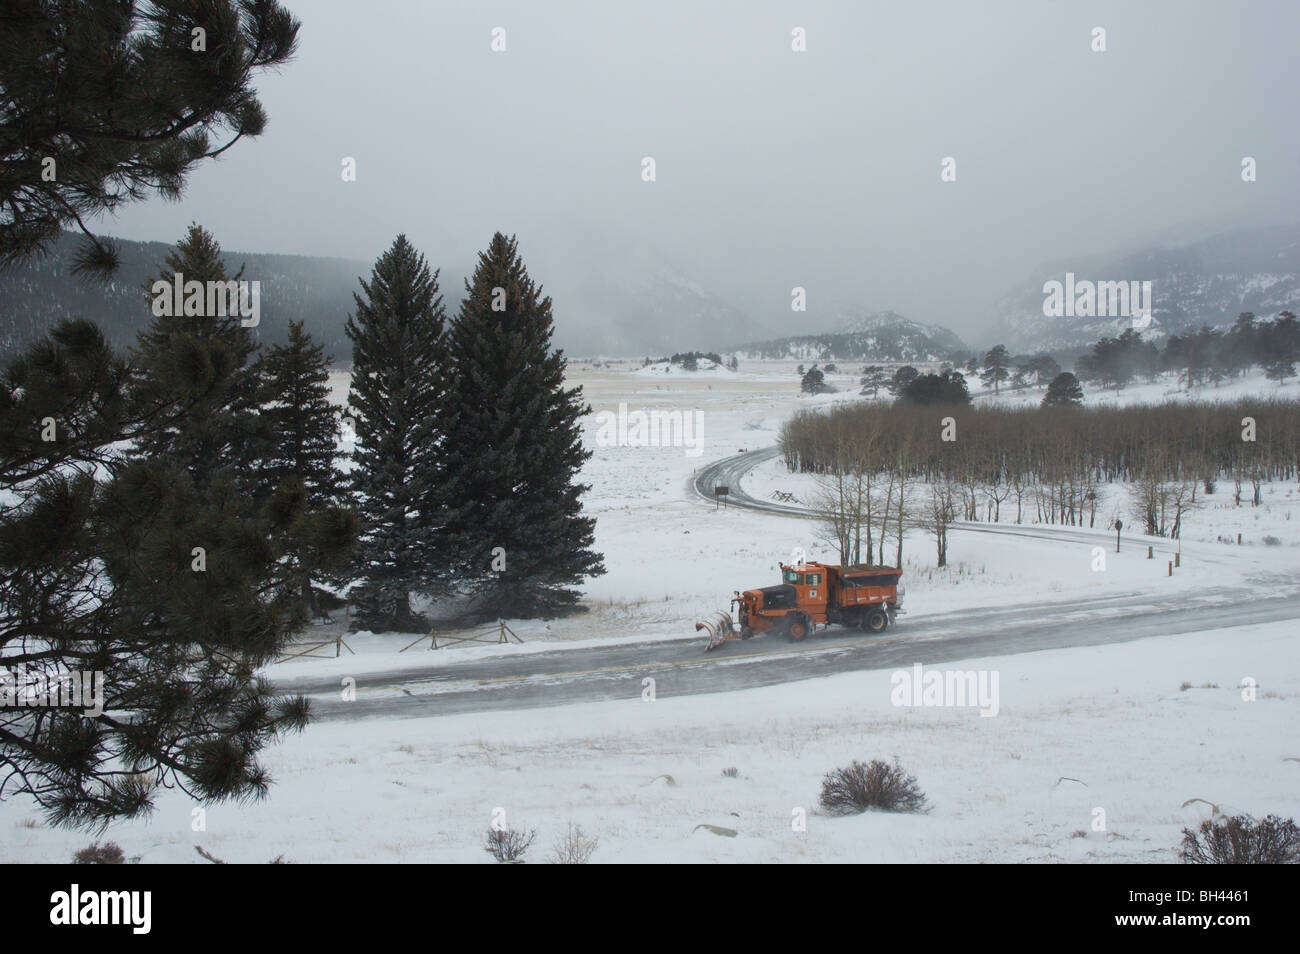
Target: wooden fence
494, 635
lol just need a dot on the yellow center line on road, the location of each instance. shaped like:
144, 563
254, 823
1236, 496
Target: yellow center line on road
667, 665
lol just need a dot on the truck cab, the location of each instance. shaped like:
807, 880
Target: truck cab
812, 582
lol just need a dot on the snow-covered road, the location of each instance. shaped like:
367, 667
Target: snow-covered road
679, 667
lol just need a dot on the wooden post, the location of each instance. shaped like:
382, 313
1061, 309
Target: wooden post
1151, 553
1239, 539
1178, 559
1171, 567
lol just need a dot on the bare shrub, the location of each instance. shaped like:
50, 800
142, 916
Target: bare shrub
1242, 840
508, 845
1272, 541
574, 847
731, 772
874, 785
108, 853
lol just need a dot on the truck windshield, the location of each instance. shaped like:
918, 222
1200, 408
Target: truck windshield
789, 576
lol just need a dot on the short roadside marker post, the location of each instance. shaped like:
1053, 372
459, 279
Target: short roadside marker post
1119, 525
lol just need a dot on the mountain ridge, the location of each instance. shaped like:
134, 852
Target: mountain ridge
861, 335
1206, 281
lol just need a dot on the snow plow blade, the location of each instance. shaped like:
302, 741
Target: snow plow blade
720, 628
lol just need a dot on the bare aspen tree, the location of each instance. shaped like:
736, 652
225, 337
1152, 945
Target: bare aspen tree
939, 514
903, 465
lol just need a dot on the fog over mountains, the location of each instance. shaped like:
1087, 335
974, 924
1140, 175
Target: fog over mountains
1208, 281
43, 291
624, 297
610, 298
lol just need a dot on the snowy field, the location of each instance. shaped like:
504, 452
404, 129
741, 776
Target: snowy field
1079, 729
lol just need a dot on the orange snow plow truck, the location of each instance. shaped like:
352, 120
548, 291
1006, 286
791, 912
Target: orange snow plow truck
809, 595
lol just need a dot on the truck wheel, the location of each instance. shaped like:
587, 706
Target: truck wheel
797, 626
874, 621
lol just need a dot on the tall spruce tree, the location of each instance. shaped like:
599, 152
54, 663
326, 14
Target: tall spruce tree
124, 569
302, 431
396, 398
204, 364
300, 422
513, 449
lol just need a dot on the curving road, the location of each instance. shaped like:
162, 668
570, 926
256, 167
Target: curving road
730, 471
679, 667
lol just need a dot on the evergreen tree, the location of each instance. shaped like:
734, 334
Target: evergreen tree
109, 101
1064, 391
397, 394
873, 379
302, 428
1280, 347
1242, 342
946, 388
202, 364
123, 569
902, 378
513, 448
1112, 361
1043, 368
300, 421
997, 367
814, 382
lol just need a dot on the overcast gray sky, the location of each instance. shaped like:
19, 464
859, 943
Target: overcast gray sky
775, 168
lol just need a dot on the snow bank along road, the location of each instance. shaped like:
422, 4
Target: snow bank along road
680, 667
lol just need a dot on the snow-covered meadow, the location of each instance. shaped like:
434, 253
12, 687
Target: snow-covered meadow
1077, 730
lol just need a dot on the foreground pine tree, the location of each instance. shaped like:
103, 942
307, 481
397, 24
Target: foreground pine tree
109, 101
201, 365
298, 469
396, 398
513, 449
125, 569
